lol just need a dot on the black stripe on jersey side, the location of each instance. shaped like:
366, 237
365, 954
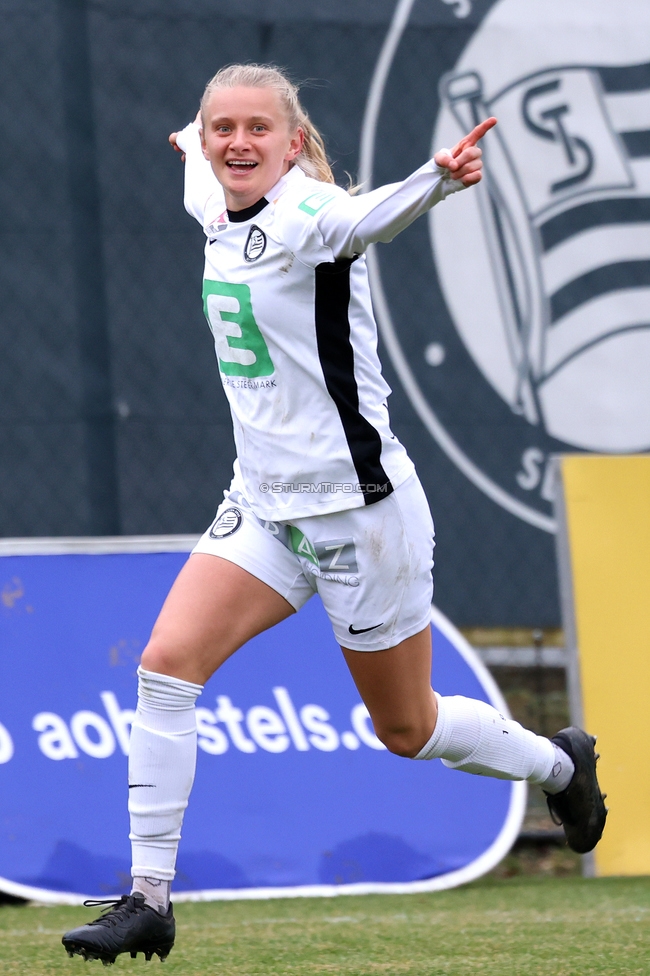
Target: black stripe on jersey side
634, 77
600, 281
633, 210
239, 216
336, 356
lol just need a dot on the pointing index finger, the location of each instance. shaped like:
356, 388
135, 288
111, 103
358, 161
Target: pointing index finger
477, 133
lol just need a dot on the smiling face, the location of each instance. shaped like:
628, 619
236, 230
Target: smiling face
247, 139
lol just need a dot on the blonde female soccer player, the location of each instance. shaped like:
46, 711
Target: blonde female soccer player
324, 498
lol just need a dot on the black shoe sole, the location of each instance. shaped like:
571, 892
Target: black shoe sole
107, 958
580, 808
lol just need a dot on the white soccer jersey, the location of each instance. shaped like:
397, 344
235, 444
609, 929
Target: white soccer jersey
287, 298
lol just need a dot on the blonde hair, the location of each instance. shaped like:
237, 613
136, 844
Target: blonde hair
312, 158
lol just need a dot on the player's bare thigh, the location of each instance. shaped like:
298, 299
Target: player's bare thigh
396, 687
212, 609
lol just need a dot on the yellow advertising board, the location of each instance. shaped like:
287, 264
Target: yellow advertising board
603, 509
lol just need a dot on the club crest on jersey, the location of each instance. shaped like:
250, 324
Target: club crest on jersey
227, 524
549, 321
255, 244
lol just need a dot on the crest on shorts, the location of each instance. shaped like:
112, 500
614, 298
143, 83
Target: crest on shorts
255, 244
543, 342
227, 524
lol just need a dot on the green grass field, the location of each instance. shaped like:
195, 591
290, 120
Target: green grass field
514, 927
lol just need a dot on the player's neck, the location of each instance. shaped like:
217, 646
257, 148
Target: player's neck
237, 216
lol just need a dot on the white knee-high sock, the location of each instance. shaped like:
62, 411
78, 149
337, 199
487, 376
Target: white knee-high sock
162, 760
474, 737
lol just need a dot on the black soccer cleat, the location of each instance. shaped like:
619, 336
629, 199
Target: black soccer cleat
580, 808
128, 924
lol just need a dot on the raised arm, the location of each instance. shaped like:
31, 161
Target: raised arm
350, 224
200, 182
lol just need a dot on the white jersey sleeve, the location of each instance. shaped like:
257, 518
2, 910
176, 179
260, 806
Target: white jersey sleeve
201, 185
350, 223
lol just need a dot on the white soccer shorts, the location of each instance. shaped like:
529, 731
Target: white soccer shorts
370, 566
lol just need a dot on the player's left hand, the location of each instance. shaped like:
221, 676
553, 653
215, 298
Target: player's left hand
464, 160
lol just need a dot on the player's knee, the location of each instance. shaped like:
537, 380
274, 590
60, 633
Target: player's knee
160, 656
404, 740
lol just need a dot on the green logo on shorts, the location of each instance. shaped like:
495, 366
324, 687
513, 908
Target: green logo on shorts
333, 556
301, 545
240, 345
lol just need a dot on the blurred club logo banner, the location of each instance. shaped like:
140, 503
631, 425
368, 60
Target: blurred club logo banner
539, 337
294, 794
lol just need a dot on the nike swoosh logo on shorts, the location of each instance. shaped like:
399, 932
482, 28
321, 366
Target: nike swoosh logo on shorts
364, 630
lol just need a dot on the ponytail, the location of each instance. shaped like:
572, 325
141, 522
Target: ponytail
312, 159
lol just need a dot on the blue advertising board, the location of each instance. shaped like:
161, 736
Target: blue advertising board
294, 794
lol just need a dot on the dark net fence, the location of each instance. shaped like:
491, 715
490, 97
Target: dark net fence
112, 418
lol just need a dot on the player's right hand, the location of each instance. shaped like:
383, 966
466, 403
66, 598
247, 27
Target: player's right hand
173, 136
174, 144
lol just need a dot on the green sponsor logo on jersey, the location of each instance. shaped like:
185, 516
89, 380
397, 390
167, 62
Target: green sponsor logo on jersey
240, 345
315, 202
301, 545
